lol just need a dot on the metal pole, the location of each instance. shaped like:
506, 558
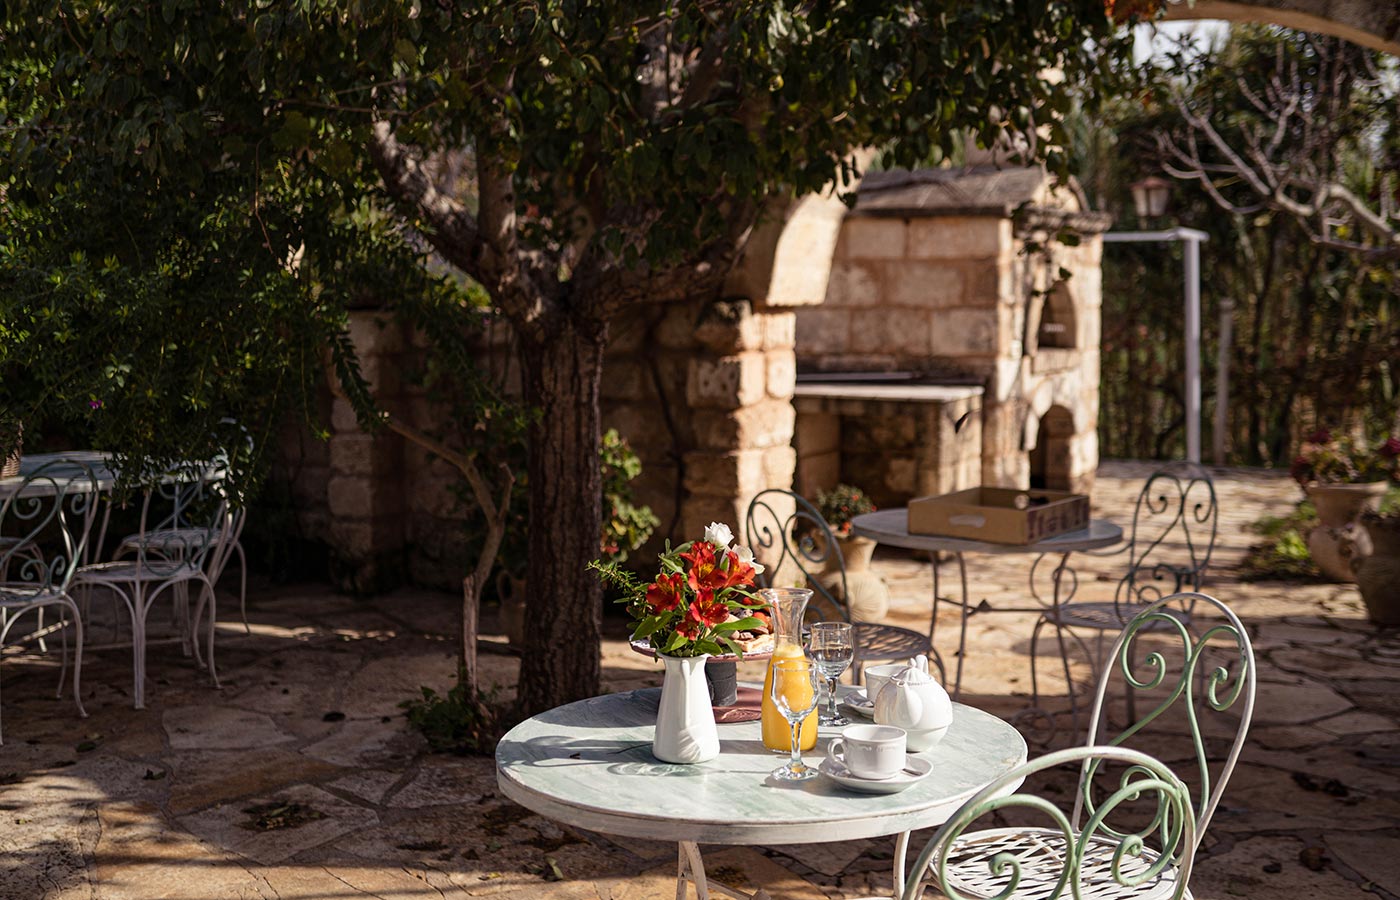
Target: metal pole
1193, 348
1222, 378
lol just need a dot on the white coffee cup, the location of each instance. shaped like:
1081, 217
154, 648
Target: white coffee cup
877, 677
869, 751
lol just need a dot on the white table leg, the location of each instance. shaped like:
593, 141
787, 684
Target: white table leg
690, 869
901, 849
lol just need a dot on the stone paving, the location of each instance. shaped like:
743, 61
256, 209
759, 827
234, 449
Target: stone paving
299, 779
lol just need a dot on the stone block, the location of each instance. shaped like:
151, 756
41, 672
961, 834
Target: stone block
990, 282
823, 331
867, 237
354, 454
726, 382
698, 511
728, 327
924, 284
626, 335
781, 373
964, 332
900, 332
960, 237
676, 330
625, 380
343, 416
779, 330
437, 496
374, 333
818, 433
900, 475
354, 538
779, 464
351, 496
724, 474
761, 425
855, 284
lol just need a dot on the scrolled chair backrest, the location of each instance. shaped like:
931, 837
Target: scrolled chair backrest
48, 518
1175, 522
184, 518
787, 534
1158, 841
1157, 652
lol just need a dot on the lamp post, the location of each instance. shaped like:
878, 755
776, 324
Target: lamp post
1150, 197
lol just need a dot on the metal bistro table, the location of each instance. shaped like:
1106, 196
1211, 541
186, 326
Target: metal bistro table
891, 526
589, 764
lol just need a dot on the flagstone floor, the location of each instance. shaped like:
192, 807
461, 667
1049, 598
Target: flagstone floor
299, 779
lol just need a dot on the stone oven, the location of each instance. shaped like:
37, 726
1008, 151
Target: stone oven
958, 343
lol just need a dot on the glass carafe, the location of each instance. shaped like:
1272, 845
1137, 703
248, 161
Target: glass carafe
787, 606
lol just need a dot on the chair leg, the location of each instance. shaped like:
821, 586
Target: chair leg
242, 586
77, 659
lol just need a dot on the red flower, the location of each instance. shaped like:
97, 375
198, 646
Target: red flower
704, 568
706, 610
1321, 436
688, 628
665, 593
1390, 449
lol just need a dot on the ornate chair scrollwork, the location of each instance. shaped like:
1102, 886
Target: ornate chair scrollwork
1168, 551
1158, 657
48, 517
795, 544
1138, 839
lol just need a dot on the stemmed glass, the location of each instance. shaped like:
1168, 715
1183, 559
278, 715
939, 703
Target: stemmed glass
831, 647
794, 693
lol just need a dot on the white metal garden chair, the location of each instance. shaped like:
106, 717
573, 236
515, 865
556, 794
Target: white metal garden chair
1157, 656
56, 503
168, 567
1135, 838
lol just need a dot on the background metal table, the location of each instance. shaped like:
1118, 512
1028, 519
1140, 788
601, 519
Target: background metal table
589, 764
891, 527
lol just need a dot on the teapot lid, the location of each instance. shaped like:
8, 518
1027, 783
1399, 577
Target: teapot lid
916, 672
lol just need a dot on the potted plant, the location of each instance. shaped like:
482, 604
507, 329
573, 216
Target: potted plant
703, 594
11, 445
1344, 478
838, 507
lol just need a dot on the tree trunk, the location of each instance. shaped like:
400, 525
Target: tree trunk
563, 614
466, 654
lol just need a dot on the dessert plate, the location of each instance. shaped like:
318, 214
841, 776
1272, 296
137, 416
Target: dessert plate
859, 704
892, 785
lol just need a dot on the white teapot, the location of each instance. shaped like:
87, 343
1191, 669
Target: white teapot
912, 700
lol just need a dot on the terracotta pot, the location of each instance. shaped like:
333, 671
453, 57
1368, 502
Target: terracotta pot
867, 597
1339, 543
1378, 575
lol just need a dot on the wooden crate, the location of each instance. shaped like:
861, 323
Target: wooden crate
994, 515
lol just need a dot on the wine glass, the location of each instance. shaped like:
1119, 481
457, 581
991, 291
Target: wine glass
794, 693
831, 647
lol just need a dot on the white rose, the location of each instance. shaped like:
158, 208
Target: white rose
746, 556
719, 534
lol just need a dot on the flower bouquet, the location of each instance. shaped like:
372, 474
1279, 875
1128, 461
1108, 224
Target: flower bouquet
1325, 459
702, 601
840, 505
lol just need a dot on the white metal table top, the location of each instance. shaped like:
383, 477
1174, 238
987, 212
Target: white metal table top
891, 526
589, 764
60, 473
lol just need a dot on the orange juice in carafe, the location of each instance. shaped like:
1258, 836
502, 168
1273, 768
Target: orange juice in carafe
788, 606
777, 733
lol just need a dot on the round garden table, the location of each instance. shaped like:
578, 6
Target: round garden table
589, 764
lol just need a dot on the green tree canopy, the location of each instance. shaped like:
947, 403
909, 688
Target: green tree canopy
572, 157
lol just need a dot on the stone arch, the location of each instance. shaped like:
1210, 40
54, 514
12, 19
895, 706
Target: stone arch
1051, 459
1059, 319
1370, 23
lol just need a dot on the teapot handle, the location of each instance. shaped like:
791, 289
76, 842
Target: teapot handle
919, 662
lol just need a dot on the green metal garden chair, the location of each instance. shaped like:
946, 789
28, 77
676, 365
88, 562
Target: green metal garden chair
1147, 856
1156, 656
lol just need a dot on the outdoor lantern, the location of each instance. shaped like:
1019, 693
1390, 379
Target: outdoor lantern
1150, 196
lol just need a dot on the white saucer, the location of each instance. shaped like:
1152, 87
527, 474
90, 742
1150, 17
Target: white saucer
859, 704
894, 784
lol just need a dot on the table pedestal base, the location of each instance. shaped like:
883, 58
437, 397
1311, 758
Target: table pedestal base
690, 869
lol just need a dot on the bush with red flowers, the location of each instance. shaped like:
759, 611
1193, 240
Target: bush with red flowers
1326, 459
